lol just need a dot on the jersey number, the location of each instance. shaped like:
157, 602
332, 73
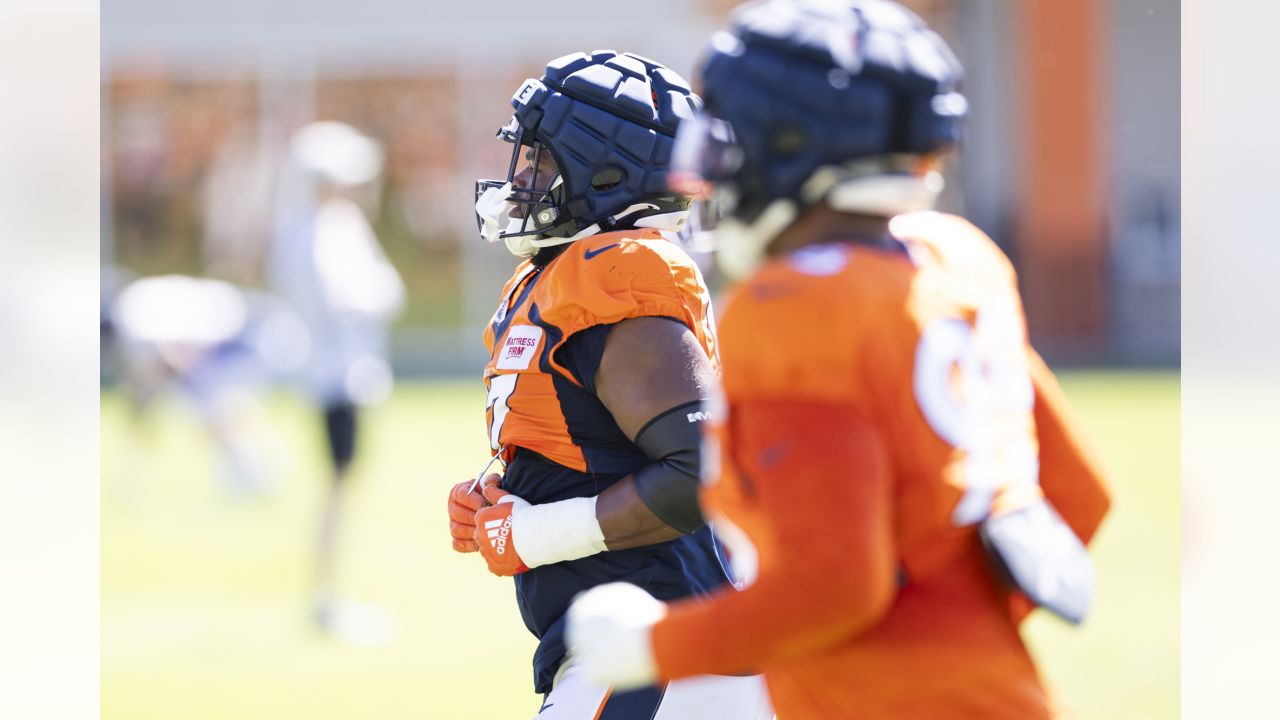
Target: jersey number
500, 389
973, 387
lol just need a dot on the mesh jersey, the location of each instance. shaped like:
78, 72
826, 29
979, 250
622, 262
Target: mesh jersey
559, 439
929, 346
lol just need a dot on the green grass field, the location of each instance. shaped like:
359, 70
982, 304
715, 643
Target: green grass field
204, 596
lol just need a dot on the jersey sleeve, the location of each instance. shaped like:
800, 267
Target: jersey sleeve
1071, 473
611, 279
826, 558
636, 278
581, 353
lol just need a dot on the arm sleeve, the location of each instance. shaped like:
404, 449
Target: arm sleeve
669, 486
1071, 474
818, 477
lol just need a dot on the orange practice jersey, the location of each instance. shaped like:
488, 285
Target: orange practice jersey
599, 280
879, 404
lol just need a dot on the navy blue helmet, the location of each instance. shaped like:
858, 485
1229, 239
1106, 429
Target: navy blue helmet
609, 121
855, 88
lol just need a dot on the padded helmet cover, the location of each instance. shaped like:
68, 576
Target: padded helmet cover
609, 121
813, 83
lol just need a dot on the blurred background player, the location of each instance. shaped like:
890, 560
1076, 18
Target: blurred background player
213, 346
601, 352
888, 438
326, 261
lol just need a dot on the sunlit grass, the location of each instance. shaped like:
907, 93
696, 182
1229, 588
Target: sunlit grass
204, 595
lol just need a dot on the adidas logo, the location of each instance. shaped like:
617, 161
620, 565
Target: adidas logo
499, 531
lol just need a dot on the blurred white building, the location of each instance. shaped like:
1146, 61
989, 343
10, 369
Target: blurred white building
1087, 206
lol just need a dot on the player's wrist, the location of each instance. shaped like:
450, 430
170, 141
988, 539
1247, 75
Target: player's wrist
556, 532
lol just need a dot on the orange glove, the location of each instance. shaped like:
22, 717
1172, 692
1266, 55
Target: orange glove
463, 506
492, 531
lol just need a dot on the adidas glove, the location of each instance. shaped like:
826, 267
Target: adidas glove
513, 535
463, 506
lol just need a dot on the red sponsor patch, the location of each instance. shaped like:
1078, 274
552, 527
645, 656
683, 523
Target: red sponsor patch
520, 347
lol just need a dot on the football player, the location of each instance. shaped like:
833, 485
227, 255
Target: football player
327, 261
899, 477
601, 352
214, 345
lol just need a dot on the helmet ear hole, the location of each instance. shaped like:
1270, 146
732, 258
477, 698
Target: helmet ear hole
606, 178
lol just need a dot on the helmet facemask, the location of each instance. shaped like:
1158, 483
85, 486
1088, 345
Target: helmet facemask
608, 121
525, 216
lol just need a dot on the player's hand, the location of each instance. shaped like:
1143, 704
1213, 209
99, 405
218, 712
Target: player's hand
492, 532
463, 506
609, 633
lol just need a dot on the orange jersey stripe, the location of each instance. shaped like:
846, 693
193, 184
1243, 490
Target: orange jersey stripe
608, 693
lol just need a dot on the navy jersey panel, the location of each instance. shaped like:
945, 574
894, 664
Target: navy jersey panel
640, 704
605, 448
581, 354
689, 565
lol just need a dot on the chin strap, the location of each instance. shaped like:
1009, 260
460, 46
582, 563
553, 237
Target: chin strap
647, 215
886, 195
529, 245
671, 222
883, 187
740, 246
494, 205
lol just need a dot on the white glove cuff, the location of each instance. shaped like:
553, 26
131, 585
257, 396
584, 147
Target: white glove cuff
556, 532
610, 632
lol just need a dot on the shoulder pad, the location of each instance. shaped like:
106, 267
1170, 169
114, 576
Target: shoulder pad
613, 277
